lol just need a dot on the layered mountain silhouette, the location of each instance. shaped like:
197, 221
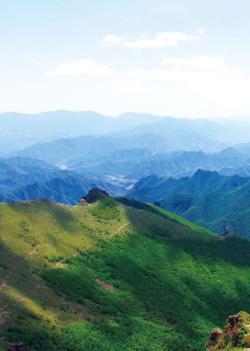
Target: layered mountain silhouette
134, 157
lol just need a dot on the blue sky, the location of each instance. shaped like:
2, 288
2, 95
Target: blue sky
179, 58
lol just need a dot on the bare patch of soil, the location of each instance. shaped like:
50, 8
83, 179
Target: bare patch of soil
105, 285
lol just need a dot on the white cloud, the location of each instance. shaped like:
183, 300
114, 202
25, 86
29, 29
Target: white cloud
186, 86
111, 40
200, 63
82, 67
161, 39
146, 41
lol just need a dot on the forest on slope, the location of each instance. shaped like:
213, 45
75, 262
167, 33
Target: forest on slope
114, 275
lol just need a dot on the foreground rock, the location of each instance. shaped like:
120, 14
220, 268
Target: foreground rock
234, 336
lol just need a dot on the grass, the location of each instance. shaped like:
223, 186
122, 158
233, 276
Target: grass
172, 281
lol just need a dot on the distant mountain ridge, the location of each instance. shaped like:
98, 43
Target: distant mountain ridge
23, 178
80, 150
202, 182
134, 157
20, 130
220, 203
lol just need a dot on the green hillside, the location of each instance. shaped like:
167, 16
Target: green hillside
114, 275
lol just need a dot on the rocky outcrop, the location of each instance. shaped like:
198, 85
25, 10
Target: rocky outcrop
94, 195
236, 334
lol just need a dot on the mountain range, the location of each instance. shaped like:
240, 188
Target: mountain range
20, 130
127, 233
23, 178
134, 157
123, 159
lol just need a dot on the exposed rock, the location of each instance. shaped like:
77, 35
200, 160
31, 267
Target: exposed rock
94, 195
83, 201
105, 285
215, 334
236, 334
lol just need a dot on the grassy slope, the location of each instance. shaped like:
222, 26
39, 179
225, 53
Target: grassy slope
114, 277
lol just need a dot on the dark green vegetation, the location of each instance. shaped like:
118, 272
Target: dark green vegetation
114, 275
220, 203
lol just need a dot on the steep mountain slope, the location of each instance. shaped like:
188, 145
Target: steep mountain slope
114, 275
218, 202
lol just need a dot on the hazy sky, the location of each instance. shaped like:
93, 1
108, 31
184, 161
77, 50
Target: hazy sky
178, 57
